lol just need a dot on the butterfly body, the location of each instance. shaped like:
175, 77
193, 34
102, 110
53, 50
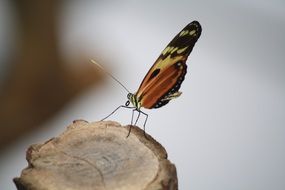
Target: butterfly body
134, 100
162, 82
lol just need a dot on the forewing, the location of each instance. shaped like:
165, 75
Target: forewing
168, 71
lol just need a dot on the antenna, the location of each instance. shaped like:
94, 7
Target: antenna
109, 74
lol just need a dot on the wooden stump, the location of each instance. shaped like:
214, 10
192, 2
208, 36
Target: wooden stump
98, 156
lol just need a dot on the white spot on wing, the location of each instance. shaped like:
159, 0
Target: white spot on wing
192, 32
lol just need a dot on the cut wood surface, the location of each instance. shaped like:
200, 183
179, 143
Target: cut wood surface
98, 156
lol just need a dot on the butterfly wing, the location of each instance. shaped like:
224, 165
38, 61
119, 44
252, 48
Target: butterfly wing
163, 80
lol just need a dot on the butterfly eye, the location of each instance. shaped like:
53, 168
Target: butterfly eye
127, 103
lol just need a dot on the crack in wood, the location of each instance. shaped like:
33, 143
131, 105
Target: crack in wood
92, 165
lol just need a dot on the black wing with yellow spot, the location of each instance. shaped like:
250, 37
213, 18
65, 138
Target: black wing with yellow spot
163, 80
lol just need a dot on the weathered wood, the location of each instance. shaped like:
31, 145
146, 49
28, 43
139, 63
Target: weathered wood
98, 156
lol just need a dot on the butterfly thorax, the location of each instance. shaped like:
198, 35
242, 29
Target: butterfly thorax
134, 100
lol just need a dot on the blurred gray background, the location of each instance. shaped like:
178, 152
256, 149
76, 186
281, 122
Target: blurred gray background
226, 131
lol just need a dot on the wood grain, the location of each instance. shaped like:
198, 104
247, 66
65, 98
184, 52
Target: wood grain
98, 156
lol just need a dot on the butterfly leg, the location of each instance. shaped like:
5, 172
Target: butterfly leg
138, 117
132, 121
137, 121
133, 116
122, 106
144, 123
129, 131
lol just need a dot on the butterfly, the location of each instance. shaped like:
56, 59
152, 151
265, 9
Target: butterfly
162, 82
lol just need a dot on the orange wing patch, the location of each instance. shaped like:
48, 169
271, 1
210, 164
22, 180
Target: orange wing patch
163, 80
164, 85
